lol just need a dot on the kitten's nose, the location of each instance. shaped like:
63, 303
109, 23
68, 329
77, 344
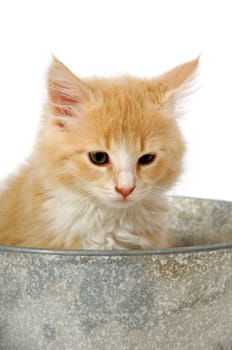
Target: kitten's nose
125, 191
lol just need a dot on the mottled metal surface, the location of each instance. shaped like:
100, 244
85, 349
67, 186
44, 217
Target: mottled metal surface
196, 221
169, 299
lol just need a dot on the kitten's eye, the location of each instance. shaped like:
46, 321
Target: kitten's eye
146, 159
99, 158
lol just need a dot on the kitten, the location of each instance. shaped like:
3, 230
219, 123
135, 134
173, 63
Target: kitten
106, 152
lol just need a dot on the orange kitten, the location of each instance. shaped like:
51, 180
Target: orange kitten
106, 152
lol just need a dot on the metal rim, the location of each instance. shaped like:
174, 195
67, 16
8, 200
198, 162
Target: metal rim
171, 251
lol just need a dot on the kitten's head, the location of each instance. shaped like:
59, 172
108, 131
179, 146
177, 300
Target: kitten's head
115, 140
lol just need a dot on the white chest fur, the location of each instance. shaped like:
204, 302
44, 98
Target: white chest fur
99, 227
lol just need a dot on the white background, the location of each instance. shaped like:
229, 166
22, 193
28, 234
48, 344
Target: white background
112, 37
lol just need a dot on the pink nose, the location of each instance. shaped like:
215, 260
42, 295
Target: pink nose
125, 191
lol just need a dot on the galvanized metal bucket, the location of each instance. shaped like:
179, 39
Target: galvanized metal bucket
174, 299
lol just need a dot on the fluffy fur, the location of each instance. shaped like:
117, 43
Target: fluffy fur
60, 199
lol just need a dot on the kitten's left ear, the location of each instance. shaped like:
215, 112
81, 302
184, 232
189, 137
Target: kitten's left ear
67, 94
174, 83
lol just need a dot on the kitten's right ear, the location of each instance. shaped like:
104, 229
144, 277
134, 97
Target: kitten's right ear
67, 95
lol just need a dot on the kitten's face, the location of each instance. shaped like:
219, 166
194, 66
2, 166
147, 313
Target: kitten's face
125, 159
115, 141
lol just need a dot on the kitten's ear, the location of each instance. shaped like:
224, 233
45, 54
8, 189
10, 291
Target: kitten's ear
66, 93
176, 83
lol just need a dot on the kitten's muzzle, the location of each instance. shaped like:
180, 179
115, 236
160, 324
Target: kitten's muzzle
124, 191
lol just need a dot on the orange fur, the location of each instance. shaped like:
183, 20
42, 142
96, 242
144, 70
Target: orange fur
59, 199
